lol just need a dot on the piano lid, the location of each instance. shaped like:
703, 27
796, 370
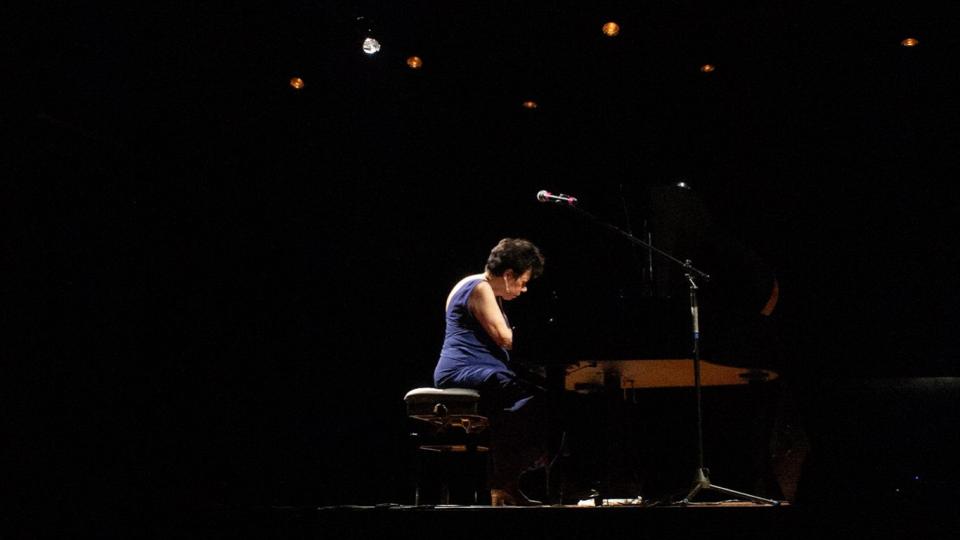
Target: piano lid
604, 298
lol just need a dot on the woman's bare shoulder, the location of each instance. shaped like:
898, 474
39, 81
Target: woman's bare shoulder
460, 284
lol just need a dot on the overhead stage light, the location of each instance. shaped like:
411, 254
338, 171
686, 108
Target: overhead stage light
366, 28
611, 29
530, 104
910, 42
415, 62
708, 68
371, 46
296, 83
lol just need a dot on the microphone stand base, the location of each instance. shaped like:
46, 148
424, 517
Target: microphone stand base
702, 483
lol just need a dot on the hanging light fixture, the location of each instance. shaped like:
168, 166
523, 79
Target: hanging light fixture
371, 46
611, 29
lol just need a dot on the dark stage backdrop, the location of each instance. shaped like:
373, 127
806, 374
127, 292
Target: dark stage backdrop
221, 288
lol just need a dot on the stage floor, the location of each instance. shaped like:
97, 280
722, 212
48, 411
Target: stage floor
714, 520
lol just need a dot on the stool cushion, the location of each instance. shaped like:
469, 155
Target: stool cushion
442, 401
445, 408
441, 394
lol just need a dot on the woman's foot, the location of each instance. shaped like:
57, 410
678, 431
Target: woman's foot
511, 496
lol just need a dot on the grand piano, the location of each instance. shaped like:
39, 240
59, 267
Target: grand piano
609, 327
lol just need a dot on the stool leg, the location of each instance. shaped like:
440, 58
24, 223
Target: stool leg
414, 467
474, 476
446, 476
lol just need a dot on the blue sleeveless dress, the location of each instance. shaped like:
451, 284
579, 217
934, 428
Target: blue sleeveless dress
469, 357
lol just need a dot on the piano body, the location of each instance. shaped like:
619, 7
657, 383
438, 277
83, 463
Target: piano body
611, 327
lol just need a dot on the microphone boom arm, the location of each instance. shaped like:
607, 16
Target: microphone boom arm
686, 264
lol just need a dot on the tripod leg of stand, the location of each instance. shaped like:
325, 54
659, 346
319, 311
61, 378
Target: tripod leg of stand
743, 495
703, 482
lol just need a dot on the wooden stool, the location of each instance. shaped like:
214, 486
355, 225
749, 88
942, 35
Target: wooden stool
448, 432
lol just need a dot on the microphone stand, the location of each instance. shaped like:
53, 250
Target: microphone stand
701, 480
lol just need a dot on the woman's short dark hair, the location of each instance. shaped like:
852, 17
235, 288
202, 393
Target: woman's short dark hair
515, 254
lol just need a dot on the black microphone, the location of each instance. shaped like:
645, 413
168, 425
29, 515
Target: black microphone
545, 196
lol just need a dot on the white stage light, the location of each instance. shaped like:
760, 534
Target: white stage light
371, 46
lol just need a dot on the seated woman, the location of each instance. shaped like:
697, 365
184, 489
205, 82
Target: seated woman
475, 354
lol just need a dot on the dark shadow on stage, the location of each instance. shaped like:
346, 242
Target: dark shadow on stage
736, 520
